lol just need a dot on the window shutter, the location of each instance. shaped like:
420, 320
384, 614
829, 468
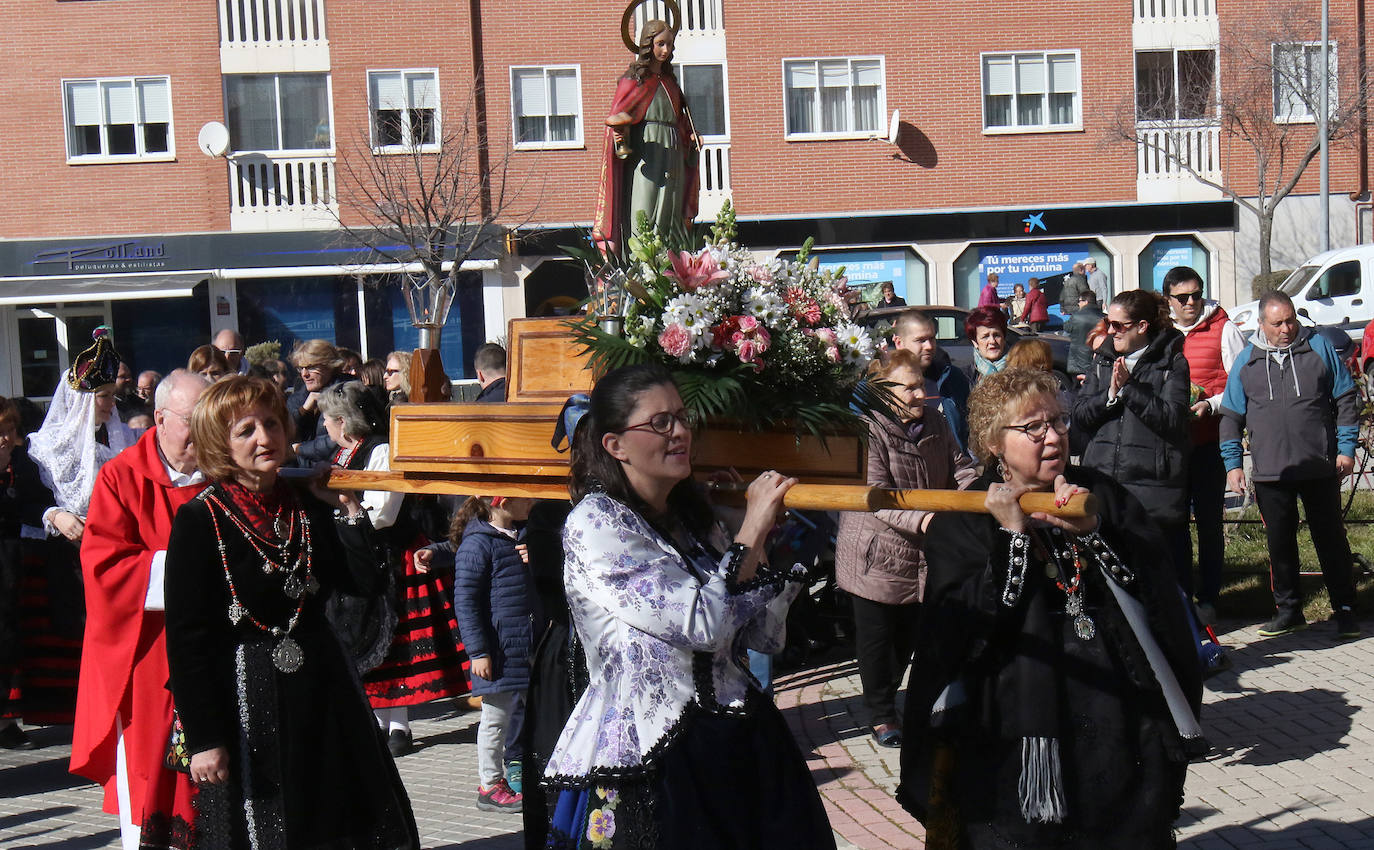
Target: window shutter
835, 74
1030, 74
1063, 74
997, 72
85, 103
563, 86
156, 103
387, 92
119, 102
801, 75
530, 94
868, 73
424, 91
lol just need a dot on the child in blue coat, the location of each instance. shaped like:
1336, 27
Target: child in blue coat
494, 601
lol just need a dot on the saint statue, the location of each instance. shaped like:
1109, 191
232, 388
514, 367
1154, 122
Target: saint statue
650, 160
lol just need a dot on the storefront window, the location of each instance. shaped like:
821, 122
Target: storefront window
1017, 262
1164, 253
161, 333
869, 270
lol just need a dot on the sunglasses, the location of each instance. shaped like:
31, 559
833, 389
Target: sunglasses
1114, 327
391, 371
1185, 297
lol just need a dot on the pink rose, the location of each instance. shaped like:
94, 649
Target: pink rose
748, 324
761, 274
747, 351
827, 336
676, 341
832, 354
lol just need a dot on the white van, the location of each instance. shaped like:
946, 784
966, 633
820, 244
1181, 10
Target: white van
1326, 290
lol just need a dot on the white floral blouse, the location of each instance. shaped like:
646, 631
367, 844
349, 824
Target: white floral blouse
661, 629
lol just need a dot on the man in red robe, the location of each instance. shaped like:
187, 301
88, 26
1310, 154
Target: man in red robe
123, 708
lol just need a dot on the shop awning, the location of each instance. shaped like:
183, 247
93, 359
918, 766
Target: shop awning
62, 289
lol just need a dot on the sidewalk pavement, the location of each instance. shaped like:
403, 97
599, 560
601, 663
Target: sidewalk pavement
1292, 729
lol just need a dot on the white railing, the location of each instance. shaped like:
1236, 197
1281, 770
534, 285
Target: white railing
269, 190
1171, 151
699, 17
271, 23
1174, 10
714, 169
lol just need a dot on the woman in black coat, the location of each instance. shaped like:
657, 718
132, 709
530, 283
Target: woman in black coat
282, 742
1058, 692
1133, 412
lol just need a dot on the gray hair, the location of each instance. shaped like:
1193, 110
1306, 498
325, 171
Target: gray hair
162, 396
349, 401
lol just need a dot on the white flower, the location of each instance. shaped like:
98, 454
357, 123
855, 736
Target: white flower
855, 343
692, 312
764, 305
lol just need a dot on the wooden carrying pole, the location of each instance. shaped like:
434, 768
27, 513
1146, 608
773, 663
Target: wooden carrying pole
803, 497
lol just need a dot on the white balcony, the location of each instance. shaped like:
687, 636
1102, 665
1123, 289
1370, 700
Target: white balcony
266, 36
1162, 24
1168, 154
270, 191
699, 17
714, 169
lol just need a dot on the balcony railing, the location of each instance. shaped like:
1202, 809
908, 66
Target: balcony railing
1160, 24
699, 17
1173, 10
262, 36
1169, 156
269, 191
714, 168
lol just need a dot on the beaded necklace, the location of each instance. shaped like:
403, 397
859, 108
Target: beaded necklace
287, 656
1066, 552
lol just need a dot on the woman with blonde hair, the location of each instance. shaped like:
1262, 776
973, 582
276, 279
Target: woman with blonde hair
1059, 689
279, 736
396, 377
879, 557
320, 365
1031, 354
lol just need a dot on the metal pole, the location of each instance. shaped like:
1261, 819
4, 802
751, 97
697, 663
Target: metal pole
1325, 117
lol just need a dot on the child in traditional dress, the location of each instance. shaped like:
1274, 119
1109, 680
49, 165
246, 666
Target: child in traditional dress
493, 597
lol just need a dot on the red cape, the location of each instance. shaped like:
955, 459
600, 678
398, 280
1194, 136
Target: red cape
634, 97
124, 658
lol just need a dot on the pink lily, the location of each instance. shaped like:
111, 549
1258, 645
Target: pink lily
693, 272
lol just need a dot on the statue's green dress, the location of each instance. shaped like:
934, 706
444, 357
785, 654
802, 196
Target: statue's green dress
656, 167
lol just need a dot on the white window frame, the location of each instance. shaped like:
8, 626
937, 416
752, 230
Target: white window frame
406, 75
1335, 81
276, 80
571, 144
1174, 120
878, 133
1075, 126
725, 84
140, 155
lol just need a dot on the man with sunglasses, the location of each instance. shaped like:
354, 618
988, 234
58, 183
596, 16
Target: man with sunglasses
1211, 343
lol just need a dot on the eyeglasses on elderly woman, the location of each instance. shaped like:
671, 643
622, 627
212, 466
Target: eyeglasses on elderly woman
1038, 429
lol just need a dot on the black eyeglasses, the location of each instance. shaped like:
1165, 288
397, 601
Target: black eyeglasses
1038, 429
1185, 297
662, 423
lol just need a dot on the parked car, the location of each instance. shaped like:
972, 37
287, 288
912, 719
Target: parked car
1327, 290
950, 336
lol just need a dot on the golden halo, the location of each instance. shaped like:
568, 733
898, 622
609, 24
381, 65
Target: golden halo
627, 22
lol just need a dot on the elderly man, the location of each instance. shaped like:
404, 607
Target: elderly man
147, 385
1290, 389
1097, 281
915, 331
1070, 294
230, 343
124, 710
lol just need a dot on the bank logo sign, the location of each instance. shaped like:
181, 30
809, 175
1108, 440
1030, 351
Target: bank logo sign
129, 256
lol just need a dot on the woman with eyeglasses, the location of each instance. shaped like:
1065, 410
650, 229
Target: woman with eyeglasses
1133, 411
1058, 691
320, 365
672, 745
396, 377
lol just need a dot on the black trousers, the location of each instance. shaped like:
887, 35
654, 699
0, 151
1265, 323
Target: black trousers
884, 641
1321, 501
1207, 493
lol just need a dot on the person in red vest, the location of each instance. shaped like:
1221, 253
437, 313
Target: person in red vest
123, 708
1211, 343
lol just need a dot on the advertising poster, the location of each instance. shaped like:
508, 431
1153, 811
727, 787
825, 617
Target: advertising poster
1017, 263
869, 270
1164, 255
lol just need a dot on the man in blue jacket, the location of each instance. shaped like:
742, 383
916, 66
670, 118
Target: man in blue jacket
1289, 387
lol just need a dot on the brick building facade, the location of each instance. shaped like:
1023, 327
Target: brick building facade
1004, 154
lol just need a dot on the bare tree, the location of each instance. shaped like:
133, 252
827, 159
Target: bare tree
1267, 97
428, 189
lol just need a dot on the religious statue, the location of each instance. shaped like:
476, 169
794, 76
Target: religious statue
650, 158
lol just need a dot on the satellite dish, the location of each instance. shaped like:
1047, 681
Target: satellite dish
893, 127
213, 139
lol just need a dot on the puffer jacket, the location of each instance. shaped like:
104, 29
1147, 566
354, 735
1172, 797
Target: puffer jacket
1142, 439
878, 555
495, 604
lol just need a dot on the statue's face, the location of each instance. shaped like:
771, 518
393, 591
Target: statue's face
663, 46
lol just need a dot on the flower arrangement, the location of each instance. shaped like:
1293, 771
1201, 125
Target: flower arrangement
760, 343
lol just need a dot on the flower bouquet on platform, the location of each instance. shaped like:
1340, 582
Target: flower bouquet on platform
762, 344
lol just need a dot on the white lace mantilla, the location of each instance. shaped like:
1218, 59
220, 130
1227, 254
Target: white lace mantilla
641, 613
66, 450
